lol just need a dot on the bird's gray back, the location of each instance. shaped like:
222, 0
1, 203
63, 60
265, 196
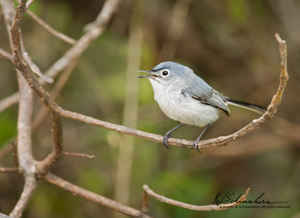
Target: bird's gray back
199, 90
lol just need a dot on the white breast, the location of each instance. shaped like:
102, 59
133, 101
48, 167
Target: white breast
183, 108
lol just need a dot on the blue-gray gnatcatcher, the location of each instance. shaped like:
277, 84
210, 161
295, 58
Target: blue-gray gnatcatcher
185, 97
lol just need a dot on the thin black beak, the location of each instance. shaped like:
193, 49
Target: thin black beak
146, 76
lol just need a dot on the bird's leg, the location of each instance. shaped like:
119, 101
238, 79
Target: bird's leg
168, 135
195, 144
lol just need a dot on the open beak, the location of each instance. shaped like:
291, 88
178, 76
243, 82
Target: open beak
151, 75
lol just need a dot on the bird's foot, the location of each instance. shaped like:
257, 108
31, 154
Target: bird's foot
195, 144
168, 135
165, 140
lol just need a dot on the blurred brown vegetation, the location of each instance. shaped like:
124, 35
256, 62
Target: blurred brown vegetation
228, 43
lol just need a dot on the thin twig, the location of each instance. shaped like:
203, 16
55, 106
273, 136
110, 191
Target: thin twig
54, 156
148, 191
9, 101
54, 32
67, 186
145, 207
6, 55
15, 156
11, 170
35, 68
97, 29
78, 155
29, 2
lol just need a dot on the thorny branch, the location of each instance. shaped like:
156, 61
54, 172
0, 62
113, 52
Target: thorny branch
30, 168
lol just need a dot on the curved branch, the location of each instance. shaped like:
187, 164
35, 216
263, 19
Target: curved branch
67, 186
148, 191
219, 141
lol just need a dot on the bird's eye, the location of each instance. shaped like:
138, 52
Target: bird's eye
165, 73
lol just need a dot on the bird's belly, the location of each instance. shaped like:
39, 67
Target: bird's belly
186, 110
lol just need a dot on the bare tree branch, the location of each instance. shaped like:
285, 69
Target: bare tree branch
4, 216
25, 157
29, 2
11, 170
30, 183
15, 155
6, 55
9, 101
35, 68
93, 32
27, 163
220, 141
73, 53
67, 186
54, 156
54, 32
148, 191
78, 155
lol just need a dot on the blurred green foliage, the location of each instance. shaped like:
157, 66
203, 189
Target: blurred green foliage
8, 127
229, 43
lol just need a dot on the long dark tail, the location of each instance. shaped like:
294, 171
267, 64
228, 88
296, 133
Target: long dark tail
252, 107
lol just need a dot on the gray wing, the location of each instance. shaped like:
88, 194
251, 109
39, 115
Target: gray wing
201, 91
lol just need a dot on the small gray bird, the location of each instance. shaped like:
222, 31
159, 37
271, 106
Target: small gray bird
185, 97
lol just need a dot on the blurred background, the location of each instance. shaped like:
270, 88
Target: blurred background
230, 44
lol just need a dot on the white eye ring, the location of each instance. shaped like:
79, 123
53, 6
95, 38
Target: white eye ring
165, 73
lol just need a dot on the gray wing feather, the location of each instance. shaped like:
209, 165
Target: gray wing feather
201, 91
